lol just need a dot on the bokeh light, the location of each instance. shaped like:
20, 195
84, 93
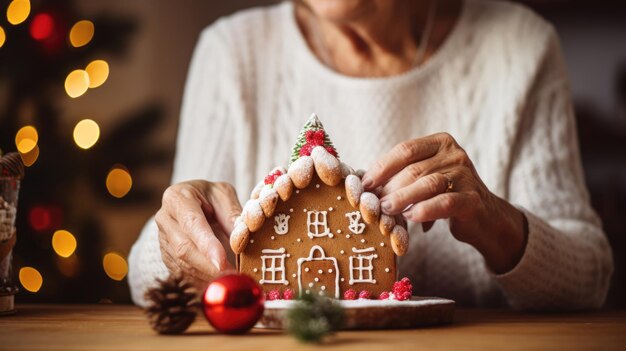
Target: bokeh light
30, 157
63, 243
26, 139
41, 26
3, 36
119, 181
45, 217
86, 133
115, 266
18, 11
98, 71
76, 83
30, 278
81, 33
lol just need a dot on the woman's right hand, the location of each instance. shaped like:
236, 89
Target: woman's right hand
192, 216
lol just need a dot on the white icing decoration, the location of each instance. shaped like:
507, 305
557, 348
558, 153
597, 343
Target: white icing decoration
272, 237
307, 291
347, 236
251, 241
297, 191
323, 287
331, 235
273, 263
342, 252
291, 210
317, 224
311, 285
339, 198
362, 265
282, 224
304, 210
363, 241
330, 270
320, 271
306, 269
255, 270
322, 257
342, 279
382, 244
317, 279
294, 275
330, 209
355, 226
299, 240
338, 231
387, 270
321, 293
317, 186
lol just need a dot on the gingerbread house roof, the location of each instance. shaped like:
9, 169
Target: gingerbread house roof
313, 154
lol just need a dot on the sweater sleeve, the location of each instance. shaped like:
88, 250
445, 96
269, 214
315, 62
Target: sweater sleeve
204, 145
567, 263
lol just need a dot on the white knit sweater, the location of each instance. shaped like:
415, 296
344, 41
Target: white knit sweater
498, 85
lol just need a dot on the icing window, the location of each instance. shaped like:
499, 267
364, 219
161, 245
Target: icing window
317, 224
361, 267
273, 270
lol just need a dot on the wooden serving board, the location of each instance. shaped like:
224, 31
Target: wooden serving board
374, 314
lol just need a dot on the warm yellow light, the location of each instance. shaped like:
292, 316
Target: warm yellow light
26, 139
98, 71
30, 157
86, 133
18, 11
3, 36
63, 243
115, 266
119, 182
31, 279
81, 33
76, 83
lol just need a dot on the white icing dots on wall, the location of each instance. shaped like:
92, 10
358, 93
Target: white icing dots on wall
251, 241
306, 269
291, 210
363, 241
323, 287
272, 237
311, 285
339, 198
317, 186
387, 270
342, 252
382, 244
330, 270
347, 236
299, 240
255, 270
338, 231
320, 271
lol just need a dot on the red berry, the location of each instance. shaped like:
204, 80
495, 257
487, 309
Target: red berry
364, 294
350, 294
273, 295
308, 135
318, 137
383, 295
271, 178
288, 294
306, 149
402, 290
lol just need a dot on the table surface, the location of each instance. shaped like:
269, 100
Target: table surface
123, 327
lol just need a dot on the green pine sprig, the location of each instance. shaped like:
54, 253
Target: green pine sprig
314, 317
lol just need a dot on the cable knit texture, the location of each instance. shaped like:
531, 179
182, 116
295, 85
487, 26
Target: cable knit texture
498, 85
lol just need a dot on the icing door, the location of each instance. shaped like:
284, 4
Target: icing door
318, 274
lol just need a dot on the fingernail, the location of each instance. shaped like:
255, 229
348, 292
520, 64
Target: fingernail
386, 206
367, 182
216, 263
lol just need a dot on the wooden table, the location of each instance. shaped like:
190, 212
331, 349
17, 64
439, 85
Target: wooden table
121, 327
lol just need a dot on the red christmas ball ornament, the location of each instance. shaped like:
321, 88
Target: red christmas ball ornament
233, 303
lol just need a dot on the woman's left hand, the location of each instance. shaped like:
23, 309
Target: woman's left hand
432, 178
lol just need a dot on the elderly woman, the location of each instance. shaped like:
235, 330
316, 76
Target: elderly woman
460, 107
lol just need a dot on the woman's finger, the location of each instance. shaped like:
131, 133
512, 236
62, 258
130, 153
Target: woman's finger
442, 206
422, 189
399, 157
223, 203
410, 174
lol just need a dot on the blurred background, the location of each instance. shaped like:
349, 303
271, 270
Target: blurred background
90, 93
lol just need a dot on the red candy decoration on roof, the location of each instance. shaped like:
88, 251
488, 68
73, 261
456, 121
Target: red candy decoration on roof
271, 178
288, 294
349, 294
273, 295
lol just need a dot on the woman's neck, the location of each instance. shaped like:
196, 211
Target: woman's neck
381, 41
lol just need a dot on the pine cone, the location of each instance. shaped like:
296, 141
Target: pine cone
172, 305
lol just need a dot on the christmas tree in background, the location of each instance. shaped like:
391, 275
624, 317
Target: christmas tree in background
48, 51
311, 135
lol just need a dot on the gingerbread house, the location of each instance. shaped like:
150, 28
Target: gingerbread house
312, 228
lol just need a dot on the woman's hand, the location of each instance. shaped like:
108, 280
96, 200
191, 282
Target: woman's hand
432, 178
193, 217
